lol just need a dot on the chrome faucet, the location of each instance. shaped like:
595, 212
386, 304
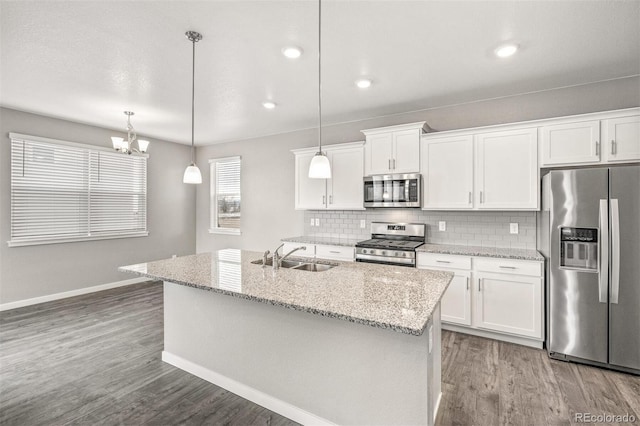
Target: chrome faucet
265, 258
277, 260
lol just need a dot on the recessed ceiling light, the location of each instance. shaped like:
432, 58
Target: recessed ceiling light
506, 50
292, 52
269, 104
363, 83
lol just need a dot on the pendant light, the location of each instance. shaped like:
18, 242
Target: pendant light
320, 168
192, 173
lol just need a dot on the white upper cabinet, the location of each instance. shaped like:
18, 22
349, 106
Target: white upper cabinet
344, 191
311, 194
575, 143
394, 149
507, 170
591, 139
621, 139
447, 167
484, 171
345, 188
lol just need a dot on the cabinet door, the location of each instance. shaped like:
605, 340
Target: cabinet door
345, 188
621, 140
508, 303
447, 172
572, 143
507, 170
380, 153
310, 193
406, 151
456, 301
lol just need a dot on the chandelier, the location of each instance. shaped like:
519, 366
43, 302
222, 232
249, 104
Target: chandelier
126, 146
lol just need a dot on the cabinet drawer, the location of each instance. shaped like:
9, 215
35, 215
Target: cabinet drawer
335, 252
434, 260
310, 250
508, 266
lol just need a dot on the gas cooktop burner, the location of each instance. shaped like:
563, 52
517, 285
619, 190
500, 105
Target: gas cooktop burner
392, 243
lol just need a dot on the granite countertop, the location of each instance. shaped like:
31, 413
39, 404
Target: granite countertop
500, 252
392, 297
330, 241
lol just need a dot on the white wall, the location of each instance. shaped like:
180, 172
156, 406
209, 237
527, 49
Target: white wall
268, 166
37, 271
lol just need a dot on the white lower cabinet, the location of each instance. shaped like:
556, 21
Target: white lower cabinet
321, 251
492, 297
508, 303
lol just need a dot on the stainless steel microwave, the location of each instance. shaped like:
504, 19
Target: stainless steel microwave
399, 190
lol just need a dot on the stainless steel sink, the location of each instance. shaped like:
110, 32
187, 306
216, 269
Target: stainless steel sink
299, 265
285, 263
313, 267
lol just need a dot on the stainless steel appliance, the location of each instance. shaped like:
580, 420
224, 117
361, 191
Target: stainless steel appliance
400, 190
590, 237
392, 243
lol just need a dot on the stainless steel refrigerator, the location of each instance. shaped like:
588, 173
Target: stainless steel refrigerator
589, 233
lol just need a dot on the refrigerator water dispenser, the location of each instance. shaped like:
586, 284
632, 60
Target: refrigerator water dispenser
579, 249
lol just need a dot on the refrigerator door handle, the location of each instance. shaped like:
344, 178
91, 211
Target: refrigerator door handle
604, 252
615, 251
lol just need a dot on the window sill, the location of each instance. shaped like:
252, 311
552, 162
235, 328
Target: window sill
225, 231
41, 241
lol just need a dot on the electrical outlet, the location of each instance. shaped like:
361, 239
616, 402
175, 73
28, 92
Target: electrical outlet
513, 228
363, 223
317, 222
442, 225
312, 222
173, 256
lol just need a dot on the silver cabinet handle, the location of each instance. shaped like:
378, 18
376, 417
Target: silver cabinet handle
481, 198
443, 261
330, 199
479, 287
324, 198
389, 163
613, 147
506, 267
597, 148
615, 251
334, 251
604, 252
394, 164
469, 197
467, 283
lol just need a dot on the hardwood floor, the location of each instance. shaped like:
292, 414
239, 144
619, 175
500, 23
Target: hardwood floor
95, 359
487, 382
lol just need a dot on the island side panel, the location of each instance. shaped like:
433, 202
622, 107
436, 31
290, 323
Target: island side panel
342, 372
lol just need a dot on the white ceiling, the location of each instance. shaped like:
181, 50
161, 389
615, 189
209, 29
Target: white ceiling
88, 61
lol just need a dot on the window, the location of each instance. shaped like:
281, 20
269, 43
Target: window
64, 192
225, 195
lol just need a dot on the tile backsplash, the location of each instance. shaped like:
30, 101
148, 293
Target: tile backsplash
486, 229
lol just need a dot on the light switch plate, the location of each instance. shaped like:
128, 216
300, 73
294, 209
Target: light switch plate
513, 228
317, 222
442, 225
363, 223
312, 222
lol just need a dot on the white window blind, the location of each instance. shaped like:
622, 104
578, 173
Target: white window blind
62, 192
225, 195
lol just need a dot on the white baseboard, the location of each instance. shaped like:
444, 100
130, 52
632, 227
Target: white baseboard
64, 295
269, 402
524, 341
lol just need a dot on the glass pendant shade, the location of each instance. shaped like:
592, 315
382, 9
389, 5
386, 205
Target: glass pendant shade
143, 145
320, 168
117, 142
192, 175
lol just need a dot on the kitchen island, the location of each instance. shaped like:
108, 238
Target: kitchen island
356, 344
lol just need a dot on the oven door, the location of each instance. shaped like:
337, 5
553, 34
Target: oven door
392, 190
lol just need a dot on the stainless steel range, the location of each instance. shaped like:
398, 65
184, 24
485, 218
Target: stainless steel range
392, 243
